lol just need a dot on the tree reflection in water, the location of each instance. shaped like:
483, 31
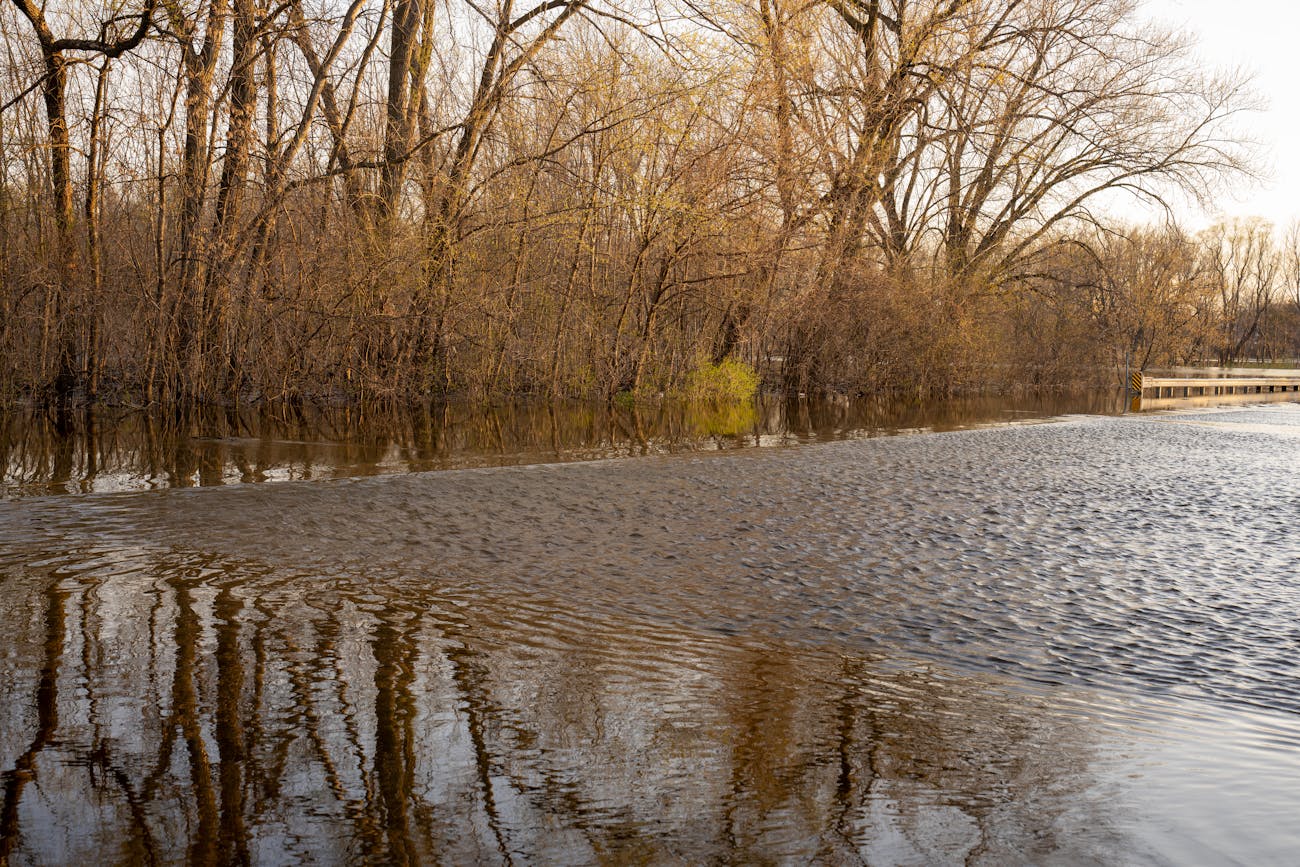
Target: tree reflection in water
116, 449
168, 708
932, 649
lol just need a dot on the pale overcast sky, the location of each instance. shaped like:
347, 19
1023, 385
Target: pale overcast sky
1261, 37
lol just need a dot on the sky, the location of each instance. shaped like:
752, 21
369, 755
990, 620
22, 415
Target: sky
1261, 38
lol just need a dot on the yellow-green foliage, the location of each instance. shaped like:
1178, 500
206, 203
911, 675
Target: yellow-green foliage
729, 380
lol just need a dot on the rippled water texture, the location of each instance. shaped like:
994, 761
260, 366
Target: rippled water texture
1060, 643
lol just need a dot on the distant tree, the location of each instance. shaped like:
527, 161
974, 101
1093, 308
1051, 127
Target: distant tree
1244, 267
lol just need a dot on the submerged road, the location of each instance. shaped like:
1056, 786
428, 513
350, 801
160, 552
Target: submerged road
1069, 641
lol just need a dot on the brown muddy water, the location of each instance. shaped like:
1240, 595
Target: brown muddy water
113, 450
1057, 643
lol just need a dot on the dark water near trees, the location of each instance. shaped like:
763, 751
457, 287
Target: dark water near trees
117, 450
1058, 643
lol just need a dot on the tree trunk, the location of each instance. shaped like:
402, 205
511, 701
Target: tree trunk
199, 68
397, 132
91, 370
53, 90
230, 194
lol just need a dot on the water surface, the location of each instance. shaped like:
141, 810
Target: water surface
1072, 642
99, 450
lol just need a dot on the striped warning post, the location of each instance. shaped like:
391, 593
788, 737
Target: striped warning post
1135, 383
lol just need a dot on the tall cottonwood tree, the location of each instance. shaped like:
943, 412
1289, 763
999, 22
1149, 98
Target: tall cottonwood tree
1069, 101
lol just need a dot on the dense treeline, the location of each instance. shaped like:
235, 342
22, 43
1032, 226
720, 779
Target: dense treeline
332, 198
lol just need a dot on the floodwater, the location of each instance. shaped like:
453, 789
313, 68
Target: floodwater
1058, 643
113, 450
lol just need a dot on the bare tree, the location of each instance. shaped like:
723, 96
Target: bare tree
109, 42
1245, 267
407, 197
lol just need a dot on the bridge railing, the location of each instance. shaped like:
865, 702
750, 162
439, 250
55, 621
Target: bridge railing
1147, 387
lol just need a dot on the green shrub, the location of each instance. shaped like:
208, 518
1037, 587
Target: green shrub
728, 380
